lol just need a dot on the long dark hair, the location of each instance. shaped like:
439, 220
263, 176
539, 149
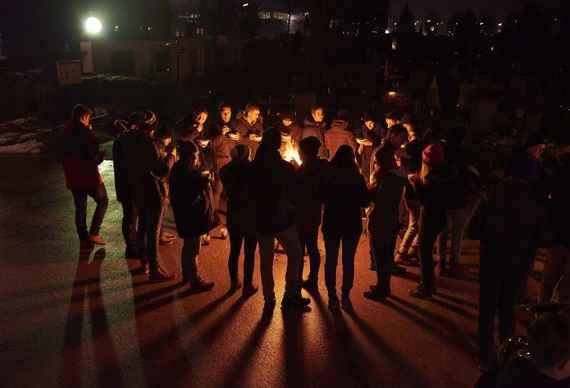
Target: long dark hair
344, 159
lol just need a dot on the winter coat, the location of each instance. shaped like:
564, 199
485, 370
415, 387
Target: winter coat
345, 194
81, 158
386, 196
236, 177
339, 135
433, 196
191, 198
309, 182
145, 169
272, 189
207, 158
513, 225
310, 128
365, 155
464, 183
244, 130
221, 146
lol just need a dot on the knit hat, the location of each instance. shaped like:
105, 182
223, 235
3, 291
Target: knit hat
434, 155
240, 152
534, 139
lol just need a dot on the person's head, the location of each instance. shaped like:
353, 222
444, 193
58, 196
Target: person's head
433, 157
318, 114
456, 135
81, 114
392, 119
201, 116
309, 148
164, 136
549, 343
397, 135
225, 113
271, 141
344, 158
535, 145
369, 121
189, 154
286, 119
240, 152
149, 121
252, 113
342, 115
409, 122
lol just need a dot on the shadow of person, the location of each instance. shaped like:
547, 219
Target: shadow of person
248, 351
292, 347
87, 285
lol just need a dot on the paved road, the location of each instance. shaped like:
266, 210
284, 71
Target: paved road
83, 321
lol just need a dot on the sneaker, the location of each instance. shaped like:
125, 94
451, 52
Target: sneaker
235, 285
223, 233
334, 304
346, 304
97, 240
159, 275
199, 285
376, 295
295, 302
248, 290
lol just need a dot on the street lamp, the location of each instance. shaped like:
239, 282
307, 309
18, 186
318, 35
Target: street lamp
93, 26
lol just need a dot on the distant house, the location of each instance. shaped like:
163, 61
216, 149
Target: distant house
166, 60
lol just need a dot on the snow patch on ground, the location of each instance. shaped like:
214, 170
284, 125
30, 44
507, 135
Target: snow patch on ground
30, 147
25, 135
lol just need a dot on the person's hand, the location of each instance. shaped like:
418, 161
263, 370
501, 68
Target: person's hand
225, 130
234, 136
255, 138
363, 141
203, 143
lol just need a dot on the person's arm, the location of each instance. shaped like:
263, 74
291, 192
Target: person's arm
93, 151
160, 167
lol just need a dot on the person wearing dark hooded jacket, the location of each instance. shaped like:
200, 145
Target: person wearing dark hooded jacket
309, 205
345, 195
315, 126
191, 198
235, 177
272, 186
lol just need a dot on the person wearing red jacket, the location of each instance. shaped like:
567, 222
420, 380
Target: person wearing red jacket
81, 159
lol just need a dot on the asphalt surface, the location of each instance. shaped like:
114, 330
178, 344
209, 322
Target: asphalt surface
72, 320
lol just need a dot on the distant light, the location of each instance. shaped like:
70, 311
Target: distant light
392, 93
500, 24
93, 26
245, 5
387, 31
116, 28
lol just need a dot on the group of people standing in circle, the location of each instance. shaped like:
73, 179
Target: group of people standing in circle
257, 183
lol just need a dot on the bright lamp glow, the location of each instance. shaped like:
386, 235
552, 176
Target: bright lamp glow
93, 25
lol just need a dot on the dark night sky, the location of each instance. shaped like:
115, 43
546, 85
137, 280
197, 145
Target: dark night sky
448, 7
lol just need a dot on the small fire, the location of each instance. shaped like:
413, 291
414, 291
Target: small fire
291, 154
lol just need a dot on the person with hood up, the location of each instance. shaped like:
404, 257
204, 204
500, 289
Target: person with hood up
192, 202
235, 177
369, 138
345, 195
272, 188
81, 159
339, 134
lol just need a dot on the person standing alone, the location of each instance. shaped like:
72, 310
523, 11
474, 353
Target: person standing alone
81, 158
